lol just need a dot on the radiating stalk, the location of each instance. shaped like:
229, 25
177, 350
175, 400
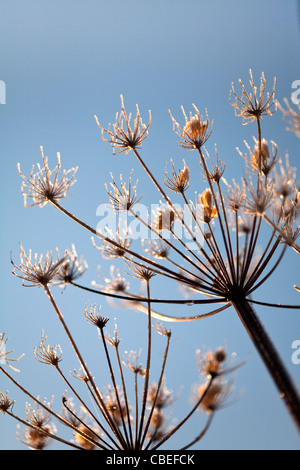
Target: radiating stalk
147, 375
268, 353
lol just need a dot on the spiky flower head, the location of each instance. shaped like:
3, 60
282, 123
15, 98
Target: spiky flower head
195, 132
206, 202
37, 435
252, 106
123, 137
94, 318
73, 268
47, 354
213, 397
179, 181
291, 116
46, 185
5, 403
4, 353
165, 218
263, 156
122, 198
36, 269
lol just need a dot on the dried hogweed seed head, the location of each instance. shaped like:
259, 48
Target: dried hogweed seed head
217, 169
116, 243
252, 106
195, 132
292, 117
132, 363
37, 438
211, 398
123, 198
164, 219
5, 403
196, 128
139, 271
72, 269
38, 415
39, 271
209, 210
284, 180
36, 434
162, 330
264, 151
157, 418
211, 363
207, 363
220, 354
81, 375
122, 136
51, 355
291, 231
117, 408
156, 248
161, 398
113, 340
179, 181
258, 201
235, 195
84, 437
4, 353
260, 158
40, 186
116, 283
33, 438
94, 318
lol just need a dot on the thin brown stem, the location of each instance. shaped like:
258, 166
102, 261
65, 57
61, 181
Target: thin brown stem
137, 298
270, 304
231, 259
157, 390
216, 275
226, 242
259, 153
186, 258
258, 272
148, 261
136, 408
112, 376
247, 257
269, 273
181, 423
164, 195
202, 433
269, 355
289, 242
85, 427
237, 247
147, 376
125, 395
83, 365
86, 408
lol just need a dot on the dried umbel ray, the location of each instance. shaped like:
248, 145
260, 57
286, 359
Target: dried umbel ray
226, 266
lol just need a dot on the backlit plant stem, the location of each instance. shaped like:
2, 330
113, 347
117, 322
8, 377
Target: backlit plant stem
146, 385
82, 363
268, 354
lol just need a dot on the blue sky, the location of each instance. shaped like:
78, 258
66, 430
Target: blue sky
64, 61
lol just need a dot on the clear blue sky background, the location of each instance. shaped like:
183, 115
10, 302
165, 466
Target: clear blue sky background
63, 62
